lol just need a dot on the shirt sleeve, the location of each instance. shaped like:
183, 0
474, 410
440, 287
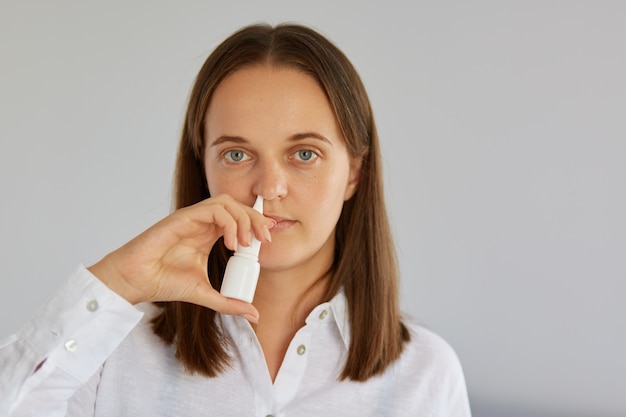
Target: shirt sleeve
62, 346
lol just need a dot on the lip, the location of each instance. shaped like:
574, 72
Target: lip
282, 223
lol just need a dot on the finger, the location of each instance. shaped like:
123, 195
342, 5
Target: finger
248, 221
254, 223
207, 296
244, 216
228, 214
244, 224
261, 226
225, 221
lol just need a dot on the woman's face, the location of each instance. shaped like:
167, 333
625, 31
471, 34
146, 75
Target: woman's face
271, 132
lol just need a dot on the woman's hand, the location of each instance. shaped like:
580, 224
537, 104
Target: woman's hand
168, 262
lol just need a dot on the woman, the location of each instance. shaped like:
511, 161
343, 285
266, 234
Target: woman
282, 114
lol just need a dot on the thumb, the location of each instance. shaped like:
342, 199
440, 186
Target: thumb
205, 295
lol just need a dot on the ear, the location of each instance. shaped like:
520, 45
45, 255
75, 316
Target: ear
356, 165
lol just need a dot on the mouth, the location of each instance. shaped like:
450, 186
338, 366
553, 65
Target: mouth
281, 223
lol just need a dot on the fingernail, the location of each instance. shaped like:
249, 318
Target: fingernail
248, 240
267, 234
251, 318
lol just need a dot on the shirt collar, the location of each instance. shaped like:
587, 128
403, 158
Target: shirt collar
339, 306
336, 309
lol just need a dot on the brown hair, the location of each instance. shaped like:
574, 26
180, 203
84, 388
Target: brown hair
365, 261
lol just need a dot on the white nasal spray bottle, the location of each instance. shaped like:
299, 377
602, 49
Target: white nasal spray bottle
242, 269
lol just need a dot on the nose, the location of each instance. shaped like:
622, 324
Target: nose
271, 180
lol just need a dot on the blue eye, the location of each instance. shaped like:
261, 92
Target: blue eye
235, 155
306, 155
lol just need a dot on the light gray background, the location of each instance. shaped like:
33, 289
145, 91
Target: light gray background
504, 136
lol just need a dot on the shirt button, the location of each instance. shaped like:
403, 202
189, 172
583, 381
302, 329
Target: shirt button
323, 314
301, 349
70, 345
92, 305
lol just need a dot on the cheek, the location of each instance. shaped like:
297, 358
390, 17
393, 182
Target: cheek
218, 180
336, 181
323, 194
219, 183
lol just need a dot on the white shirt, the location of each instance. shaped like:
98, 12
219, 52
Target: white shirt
102, 359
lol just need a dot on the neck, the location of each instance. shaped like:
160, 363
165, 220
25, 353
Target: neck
284, 300
289, 297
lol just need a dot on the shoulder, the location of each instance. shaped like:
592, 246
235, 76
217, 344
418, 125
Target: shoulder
429, 373
429, 364
144, 329
142, 348
427, 343
149, 310
430, 353
143, 334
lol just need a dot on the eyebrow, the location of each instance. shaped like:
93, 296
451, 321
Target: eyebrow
226, 138
296, 137
306, 135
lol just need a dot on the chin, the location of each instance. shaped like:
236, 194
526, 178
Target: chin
281, 256
278, 263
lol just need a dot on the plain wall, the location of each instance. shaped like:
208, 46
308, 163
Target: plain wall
503, 127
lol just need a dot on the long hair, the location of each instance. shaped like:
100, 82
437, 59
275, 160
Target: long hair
365, 263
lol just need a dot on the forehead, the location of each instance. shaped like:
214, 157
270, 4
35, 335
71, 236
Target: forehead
269, 100
266, 79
